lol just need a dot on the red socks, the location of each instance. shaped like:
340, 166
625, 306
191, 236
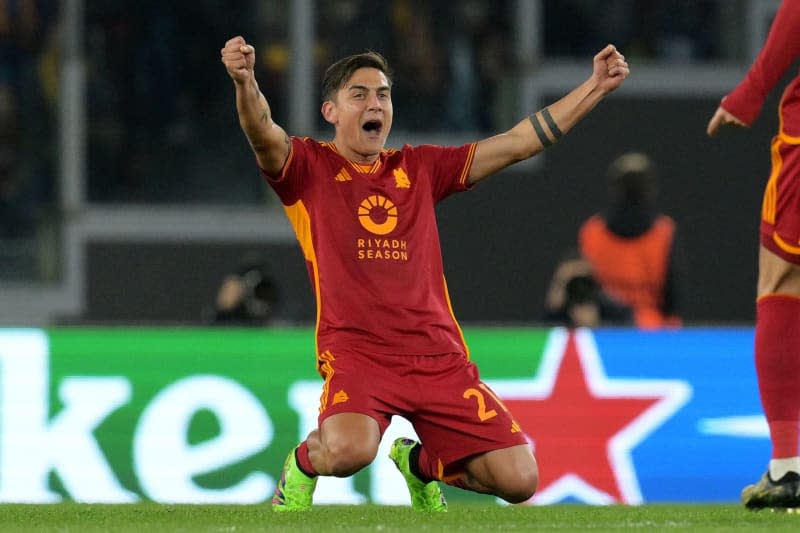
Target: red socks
777, 355
303, 461
421, 464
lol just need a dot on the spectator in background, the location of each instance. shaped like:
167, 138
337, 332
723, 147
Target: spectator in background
631, 246
777, 340
575, 299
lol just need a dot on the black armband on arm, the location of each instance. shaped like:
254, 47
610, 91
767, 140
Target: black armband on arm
551, 124
536, 121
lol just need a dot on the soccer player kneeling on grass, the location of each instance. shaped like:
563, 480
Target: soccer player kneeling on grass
387, 340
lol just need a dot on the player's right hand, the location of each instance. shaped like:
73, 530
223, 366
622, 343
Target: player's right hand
722, 118
239, 58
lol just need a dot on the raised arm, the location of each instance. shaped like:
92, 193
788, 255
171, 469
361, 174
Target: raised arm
781, 50
545, 127
268, 140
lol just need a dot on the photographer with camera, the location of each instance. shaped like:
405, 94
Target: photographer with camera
247, 297
575, 299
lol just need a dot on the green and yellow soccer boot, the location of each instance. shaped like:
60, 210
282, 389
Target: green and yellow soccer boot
424, 496
295, 490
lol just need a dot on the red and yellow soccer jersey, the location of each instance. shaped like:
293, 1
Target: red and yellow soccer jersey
779, 52
371, 244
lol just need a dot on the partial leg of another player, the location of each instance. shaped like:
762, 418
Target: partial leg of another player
777, 354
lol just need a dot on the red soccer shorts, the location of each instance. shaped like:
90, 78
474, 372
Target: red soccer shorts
780, 214
453, 412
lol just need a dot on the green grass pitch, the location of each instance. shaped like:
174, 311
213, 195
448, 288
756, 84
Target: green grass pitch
156, 518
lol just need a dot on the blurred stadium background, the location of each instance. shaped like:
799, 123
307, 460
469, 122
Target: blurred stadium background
127, 190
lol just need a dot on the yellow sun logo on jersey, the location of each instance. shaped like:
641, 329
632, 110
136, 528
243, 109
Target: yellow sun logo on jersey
401, 180
377, 214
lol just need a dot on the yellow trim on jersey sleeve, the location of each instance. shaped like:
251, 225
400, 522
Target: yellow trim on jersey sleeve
467, 164
282, 174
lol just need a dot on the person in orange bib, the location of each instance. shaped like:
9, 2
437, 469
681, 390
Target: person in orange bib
631, 246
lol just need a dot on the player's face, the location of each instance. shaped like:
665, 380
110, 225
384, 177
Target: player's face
362, 114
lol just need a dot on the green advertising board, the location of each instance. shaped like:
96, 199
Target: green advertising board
183, 415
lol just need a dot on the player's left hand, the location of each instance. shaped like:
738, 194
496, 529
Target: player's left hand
610, 68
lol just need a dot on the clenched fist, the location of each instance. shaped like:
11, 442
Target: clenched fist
239, 58
610, 68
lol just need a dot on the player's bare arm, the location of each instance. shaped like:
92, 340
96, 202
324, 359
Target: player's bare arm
269, 142
545, 127
722, 118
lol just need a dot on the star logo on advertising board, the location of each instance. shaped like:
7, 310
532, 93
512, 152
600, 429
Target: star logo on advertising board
584, 425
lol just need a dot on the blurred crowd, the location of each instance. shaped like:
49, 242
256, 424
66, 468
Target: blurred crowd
160, 125
28, 148
670, 31
161, 129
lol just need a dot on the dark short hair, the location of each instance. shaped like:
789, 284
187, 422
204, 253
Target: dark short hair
337, 74
632, 178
